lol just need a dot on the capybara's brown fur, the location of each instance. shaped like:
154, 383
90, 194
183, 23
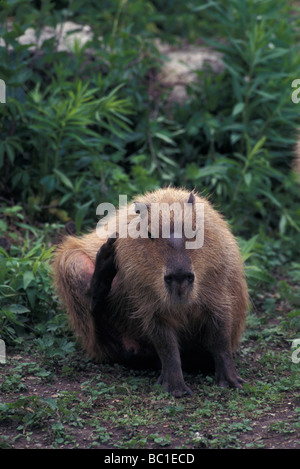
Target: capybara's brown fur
165, 300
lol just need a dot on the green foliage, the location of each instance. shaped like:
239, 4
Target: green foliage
65, 127
27, 303
80, 127
242, 124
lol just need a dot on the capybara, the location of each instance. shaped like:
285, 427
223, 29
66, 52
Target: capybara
162, 293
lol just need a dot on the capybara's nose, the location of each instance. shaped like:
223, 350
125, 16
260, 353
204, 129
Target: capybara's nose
179, 277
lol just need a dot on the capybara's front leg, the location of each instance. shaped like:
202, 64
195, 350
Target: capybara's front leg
226, 374
167, 348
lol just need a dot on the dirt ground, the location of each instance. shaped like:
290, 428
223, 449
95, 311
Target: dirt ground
74, 403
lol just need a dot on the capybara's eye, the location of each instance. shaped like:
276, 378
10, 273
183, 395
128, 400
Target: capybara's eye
190, 278
168, 279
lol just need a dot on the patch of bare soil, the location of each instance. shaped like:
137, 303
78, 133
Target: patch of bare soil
82, 416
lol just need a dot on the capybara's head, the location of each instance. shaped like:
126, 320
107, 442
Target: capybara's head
156, 258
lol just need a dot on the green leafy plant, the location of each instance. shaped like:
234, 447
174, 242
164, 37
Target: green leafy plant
26, 292
242, 124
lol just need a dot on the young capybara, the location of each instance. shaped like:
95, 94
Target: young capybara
169, 285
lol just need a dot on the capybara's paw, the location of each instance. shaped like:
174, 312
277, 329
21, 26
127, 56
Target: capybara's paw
176, 387
231, 380
107, 251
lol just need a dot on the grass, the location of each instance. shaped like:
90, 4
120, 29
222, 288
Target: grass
67, 401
